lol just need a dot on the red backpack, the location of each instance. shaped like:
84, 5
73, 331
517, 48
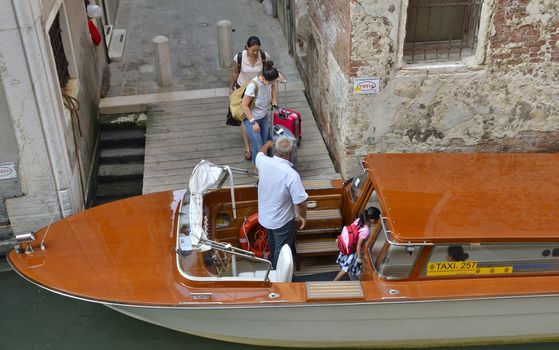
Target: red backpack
353, 238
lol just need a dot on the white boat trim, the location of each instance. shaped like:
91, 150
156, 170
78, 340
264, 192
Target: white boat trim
393, 300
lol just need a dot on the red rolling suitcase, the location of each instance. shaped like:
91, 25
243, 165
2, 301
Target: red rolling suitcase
289, 119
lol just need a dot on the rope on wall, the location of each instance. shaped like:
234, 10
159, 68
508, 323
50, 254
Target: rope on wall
73, 106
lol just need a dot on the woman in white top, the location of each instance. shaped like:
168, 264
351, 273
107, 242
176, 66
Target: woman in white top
263, 90
245, 69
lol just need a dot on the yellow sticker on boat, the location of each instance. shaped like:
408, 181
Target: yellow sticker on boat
452, 268
494, 270
447, 268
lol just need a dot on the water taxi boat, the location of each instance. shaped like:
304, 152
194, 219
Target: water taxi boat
176, 258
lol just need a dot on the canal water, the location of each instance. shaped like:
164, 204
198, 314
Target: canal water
35, 319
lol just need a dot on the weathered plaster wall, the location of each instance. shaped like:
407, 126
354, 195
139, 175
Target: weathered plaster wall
8, 153
327, 62
90, 61
22, 78
111, 6
301, 27
508, 103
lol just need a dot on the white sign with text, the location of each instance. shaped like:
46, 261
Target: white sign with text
366, 86
8, 170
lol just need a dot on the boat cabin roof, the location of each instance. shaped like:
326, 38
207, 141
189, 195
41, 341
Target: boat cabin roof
468, 197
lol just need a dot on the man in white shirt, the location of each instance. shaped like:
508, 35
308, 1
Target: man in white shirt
281, 196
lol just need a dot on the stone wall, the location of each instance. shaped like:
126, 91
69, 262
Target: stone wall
8, 153
503, 99
327, 62
53, 159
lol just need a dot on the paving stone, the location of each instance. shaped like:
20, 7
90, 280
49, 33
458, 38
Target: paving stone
191, 28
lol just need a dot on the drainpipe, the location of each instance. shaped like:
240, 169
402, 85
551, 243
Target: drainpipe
32, 47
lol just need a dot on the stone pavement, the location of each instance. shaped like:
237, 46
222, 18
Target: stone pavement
191, 26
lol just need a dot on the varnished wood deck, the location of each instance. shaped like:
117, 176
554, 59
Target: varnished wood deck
180, 134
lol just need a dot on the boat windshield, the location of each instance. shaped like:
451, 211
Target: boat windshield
392, 260
357, 186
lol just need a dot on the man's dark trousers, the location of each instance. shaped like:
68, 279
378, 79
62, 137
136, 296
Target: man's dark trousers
278, 237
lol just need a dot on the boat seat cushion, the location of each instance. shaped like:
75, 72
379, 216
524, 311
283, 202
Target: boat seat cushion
283, 271
284, 266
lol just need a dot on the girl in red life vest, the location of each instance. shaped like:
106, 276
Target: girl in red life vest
352, 240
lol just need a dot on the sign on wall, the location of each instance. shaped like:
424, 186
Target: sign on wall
366, 86
7, 170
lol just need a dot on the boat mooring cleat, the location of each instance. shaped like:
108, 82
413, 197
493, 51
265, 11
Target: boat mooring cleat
25, 238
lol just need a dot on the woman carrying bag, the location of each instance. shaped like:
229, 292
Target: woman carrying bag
248, 64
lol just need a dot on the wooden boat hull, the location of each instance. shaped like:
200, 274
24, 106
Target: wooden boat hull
383, 324
124, 255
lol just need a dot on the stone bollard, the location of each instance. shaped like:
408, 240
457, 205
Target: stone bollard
224, 44
268, 8
162, 56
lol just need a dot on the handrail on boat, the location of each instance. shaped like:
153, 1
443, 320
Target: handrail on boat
228, 248
229, 173
392, 242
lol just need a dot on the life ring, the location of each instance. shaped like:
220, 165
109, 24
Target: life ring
253, 237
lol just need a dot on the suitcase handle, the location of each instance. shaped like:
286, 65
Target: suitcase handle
282, 114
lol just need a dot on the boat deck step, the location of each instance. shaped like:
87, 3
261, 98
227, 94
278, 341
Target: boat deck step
316, 265
317, 183
317, 246
322, 222
334, 290
321, 214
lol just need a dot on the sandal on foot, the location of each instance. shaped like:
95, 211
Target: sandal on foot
248, 155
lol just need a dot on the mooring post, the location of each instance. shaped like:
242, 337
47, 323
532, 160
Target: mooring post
163, 71
224, 44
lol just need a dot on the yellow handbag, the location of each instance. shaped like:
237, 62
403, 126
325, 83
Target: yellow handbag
236, 99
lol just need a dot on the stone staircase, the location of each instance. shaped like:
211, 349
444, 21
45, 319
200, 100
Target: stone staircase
7, 242
120, 165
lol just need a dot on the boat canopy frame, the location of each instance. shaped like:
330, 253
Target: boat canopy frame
204, 176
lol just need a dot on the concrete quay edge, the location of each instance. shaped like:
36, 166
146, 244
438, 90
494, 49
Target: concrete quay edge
139, 103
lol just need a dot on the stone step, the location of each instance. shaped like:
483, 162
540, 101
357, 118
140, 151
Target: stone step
120, 172
6, 246
4, 266
122, 121
123, 138
122, 155
107, 199
140, 103
5, 232
119, 189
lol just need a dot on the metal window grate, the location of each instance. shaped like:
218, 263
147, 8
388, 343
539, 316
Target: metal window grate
58, 51
441, 30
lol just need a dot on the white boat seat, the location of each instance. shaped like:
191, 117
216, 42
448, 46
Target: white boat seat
284, 267
283, 271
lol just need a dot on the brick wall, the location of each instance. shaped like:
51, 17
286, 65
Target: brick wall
526, 31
